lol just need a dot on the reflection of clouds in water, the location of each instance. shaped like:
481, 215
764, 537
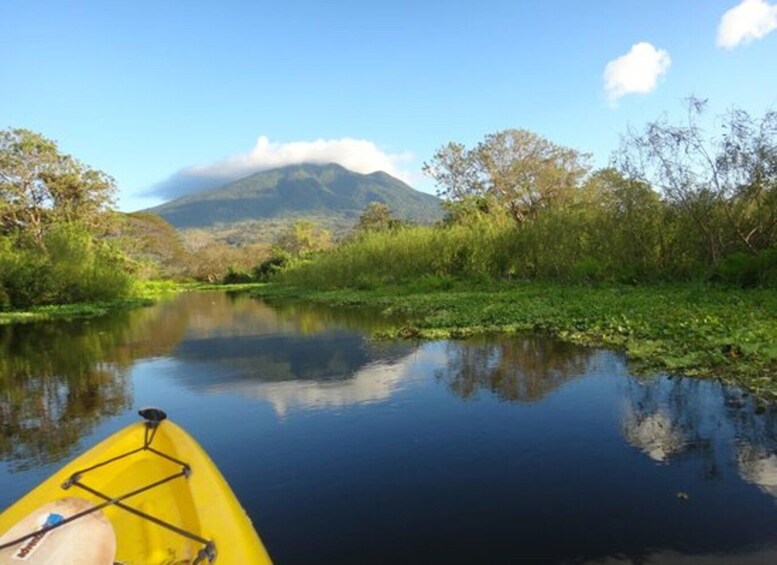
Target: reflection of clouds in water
373, 382
654, 434
758, 467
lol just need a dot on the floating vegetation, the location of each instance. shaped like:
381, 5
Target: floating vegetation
696, 330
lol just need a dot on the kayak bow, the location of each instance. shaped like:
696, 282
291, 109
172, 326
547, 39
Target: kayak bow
166, 501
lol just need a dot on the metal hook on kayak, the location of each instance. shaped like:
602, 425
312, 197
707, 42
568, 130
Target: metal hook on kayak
208, 552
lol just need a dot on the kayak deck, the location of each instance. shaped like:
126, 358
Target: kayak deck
166, 501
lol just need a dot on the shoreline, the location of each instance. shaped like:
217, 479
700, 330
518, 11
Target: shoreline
146, 295
703, 331
690, 330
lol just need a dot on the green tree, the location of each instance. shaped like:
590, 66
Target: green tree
377, 217
53, 210
455, 170
725, 185
747, 168
302, 238
41, 187
514, 169
626, 218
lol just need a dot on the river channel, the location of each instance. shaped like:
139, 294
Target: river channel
499, 449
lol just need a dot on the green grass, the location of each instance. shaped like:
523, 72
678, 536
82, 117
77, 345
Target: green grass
697, 330
145, 293
69, 311
224, 287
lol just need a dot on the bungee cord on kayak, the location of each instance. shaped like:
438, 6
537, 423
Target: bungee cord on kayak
153, 417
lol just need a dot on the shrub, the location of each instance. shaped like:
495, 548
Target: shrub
237, 276
72, 267
587, 269
748, 270
276, 263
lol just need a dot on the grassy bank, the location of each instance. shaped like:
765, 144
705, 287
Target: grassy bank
144, 294
697, 330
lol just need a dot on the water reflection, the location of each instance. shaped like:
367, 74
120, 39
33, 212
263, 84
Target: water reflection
756, 444
311, 318
56, 384
59, 380
586, 459
666, 418
654, 433
372, 382
514, 369
759, 466
756, 557
300, 356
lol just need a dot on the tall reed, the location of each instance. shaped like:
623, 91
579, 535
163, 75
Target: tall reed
410, 253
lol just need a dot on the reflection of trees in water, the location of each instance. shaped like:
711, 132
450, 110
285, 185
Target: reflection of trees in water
59, 380
256, 342
56, 382
229, 314
666, 417
310, 318
514, 369
43, 417
237, 313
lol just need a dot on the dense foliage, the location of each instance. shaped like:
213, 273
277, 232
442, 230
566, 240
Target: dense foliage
723, 186
41, 187
158, 251
71, 266
297, 243
52, 209
515, 170
675, 206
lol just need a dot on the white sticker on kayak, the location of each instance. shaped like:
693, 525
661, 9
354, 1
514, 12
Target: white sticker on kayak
31, 545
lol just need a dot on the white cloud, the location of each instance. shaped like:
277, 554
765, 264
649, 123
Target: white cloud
745, 22
636, 72
359, 155
372, 383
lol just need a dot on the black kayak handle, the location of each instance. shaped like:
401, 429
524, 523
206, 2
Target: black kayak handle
152, 415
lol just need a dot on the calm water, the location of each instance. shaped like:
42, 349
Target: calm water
342, 450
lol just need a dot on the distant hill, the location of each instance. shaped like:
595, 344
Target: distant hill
331, 195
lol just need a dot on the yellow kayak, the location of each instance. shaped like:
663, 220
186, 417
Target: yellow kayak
147, 495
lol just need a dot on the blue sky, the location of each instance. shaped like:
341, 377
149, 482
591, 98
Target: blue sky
162, 93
